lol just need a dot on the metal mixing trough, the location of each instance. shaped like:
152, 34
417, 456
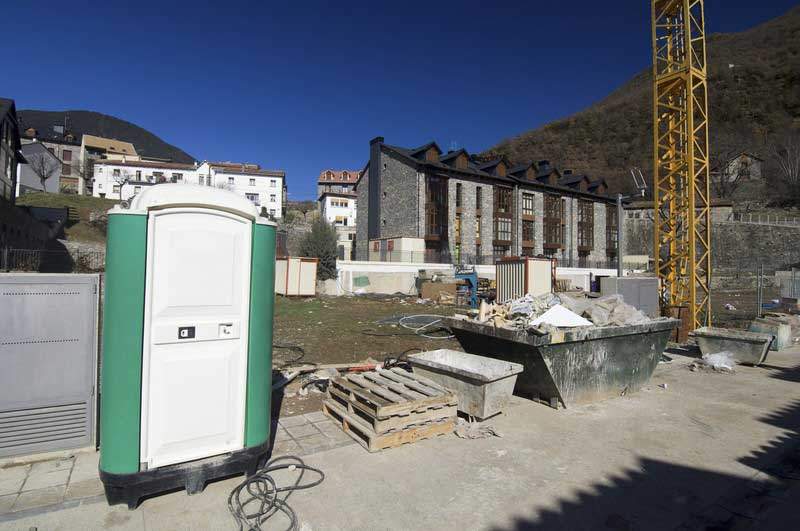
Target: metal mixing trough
580, 365
750, 348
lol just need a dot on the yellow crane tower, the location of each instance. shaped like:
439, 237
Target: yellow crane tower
682, 221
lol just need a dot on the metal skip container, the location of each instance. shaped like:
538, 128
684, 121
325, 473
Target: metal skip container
750, 348
579, 366
484, 385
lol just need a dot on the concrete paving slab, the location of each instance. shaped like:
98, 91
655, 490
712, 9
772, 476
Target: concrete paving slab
51, 479
85, 467
55, 465
293, 421
287, 447
10, 486
7, 501
39, 498
304, 430
316, 416
84, 489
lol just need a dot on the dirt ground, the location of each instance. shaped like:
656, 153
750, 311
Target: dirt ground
343, 330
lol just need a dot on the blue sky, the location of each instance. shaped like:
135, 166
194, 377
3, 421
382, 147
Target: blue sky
305, 86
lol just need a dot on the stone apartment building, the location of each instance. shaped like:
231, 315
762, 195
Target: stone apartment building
421, 204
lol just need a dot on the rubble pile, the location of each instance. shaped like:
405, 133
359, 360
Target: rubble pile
560, 311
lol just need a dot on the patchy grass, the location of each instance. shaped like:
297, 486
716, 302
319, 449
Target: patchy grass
332, 330
82, 229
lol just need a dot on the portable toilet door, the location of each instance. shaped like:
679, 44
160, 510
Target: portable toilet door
194, 356
205, 340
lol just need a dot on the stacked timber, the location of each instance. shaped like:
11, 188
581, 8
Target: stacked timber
388, 408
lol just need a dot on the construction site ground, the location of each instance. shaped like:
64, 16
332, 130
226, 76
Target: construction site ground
692, 450
343, 330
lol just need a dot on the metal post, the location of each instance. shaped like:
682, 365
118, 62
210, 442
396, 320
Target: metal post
794, 293
759, 289
619, 235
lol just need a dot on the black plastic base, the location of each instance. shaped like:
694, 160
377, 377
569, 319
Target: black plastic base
192, 476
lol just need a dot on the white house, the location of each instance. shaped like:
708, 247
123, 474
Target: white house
124, 179
263, 187
338, 208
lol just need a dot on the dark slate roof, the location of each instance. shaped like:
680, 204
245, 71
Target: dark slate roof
425, 147
453, 154
5, 106
37, 148
519, 168
571, 179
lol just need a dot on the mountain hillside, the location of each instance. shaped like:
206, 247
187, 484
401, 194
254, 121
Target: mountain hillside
749, 103
98, 124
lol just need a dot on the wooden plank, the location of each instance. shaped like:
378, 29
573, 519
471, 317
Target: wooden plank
421, 379
394, 423
377, 389
393, 385
414, 384
373, 442
352, 402
357, 392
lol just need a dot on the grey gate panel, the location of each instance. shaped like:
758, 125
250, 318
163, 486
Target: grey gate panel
48, 361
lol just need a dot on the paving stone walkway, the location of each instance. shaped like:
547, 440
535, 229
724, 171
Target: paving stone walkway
67, 481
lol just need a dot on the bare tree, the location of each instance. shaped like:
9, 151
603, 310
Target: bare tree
726, 172
120, 178
785, 162
45, 166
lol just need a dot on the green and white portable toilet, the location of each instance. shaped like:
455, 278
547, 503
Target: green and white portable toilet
187, 341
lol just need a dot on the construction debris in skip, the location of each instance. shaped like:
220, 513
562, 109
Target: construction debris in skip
539, 314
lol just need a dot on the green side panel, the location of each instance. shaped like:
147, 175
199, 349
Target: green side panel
123, 320
259, 341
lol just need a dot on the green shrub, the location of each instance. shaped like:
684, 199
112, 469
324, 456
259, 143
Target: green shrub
321, 243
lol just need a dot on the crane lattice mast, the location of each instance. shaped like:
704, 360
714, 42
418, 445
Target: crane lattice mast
682, 236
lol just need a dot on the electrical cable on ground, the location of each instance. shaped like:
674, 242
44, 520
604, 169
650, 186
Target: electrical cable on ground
295, 348
258, 498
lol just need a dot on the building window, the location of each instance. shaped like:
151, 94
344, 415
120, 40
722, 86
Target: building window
138, 175
137, 189
527, 204
176, 177
478, 228
66, 169
457, 228
116, 173
272, 198
611, 230
66, 155
253, 198
252, 182
502, 200
272, 212
272, 183
552, 222
436, 208
458, 195
527, 233
478, 197
115, 189
502, 229
230, 180
499, 251
585, 225
200, 180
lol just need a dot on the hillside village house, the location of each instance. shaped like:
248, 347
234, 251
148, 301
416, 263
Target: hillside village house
421, 204
9, 149
123, 179
78, 155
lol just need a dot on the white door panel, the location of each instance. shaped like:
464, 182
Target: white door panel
195, 336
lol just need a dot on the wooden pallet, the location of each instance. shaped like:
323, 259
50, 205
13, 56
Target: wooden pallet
394, 422
394, 392
373, 442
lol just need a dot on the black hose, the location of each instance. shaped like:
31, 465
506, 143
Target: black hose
295, 348
256, 499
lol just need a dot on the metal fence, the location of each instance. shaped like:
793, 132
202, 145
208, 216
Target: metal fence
764, 219
52, 261
442, 257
